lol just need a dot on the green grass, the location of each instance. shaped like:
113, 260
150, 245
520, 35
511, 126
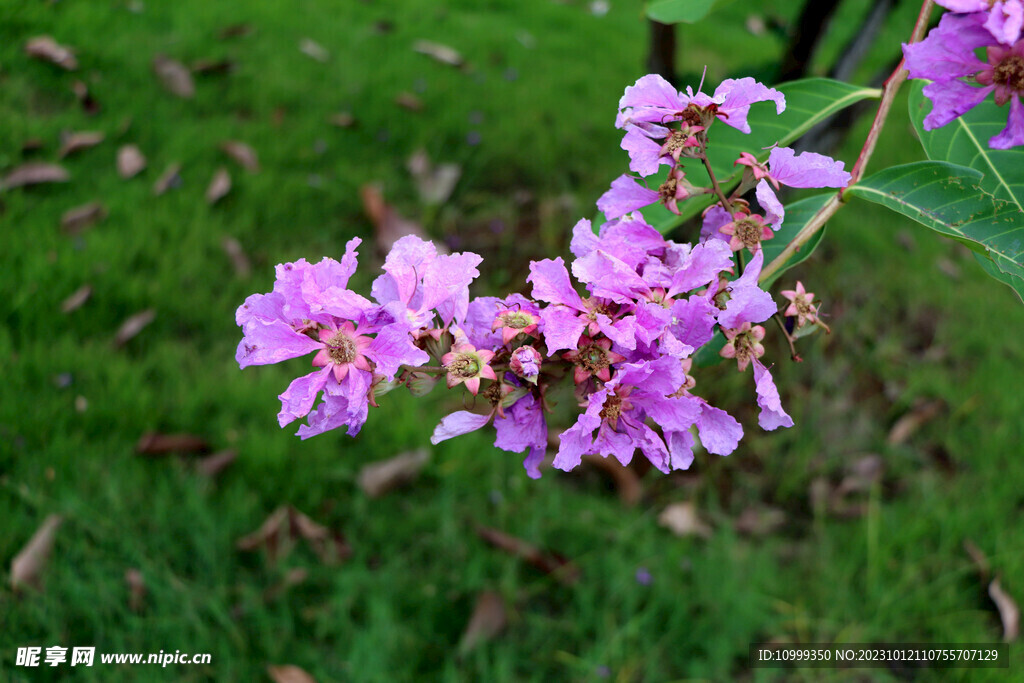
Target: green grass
541, 88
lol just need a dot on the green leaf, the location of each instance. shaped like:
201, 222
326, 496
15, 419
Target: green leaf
949, 199
675, 11
797, 216
808, 103
1014, 283
709, 353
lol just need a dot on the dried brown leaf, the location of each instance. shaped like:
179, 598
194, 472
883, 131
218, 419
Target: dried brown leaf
74, 142
89, 104
28, 565
550, 563
682, 520
153, 443
627, 483
293, 577
286, 525
220, 185
238, 257
210, 67
130, 161
343, 119
48, 49
289, 673
212, 465
243, 154
488, 620
171, 177
442, 53
174, 76
34, 173
389, 226
1009, 613
919, 415
407, 100
235, 31
377, 478
979, 558
77, 299
314, 50
75, 220
433, 183
760, 521
136, 589
132, 326
863, 473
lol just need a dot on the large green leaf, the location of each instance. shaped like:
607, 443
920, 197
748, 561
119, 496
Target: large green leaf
808, 103
675, 11
949, 199
964, 141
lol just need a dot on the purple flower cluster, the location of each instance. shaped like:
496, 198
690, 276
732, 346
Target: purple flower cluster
960, 79
621, 322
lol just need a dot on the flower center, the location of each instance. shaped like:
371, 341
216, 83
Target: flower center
341, 348
668, 189
612, 409
803, 306
517, 321
1010, 72
745, 346
691, 115
464, 365
493, 393
593, 358
749, 232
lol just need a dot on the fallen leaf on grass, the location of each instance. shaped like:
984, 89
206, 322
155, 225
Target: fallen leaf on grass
407, 100
220, 185
153, 443
132, 326
343, 119
136, 589
49, 50
979, 559
27, 566
207, 67
289, 673
286, 525
171, 177
75, 220
488, 620
439, 52
174, 76
130, 161
377, 478
913, 420
243, 154
433, 183
682, 520
314, 50
389, 226
34, 173
77, 299
212, 465
89, 104
550, 563
74, 142
1009, 613
760, 521
238, 257
863, 473
235, 31
627, 483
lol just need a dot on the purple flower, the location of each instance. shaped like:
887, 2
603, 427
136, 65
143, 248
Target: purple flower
772, 415
947, 55
747, 302
626, 195
523, 428
1003, 19
785, 167
525, 362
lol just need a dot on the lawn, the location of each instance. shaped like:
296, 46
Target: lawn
529, 119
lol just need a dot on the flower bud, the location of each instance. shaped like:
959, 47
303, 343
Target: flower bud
525, 363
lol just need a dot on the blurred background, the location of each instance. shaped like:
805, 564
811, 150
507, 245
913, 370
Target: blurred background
160, 158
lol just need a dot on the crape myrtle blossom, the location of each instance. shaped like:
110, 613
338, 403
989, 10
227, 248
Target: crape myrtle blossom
1002, 18
947, 58
618, 325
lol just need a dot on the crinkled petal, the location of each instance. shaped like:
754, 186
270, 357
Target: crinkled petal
658, 377
406, 263
264, 307
680, 449
739, 94
748, 303
805, 170
951, 99
1013, 134
532, 462
653, 447
480, 316
272, 342
447, 278
522, 427
297, 400
342, 303
719, 431
392, 348
618, 444
714, 219
772, 415
578, 440
774, 213
677, 414
608, 277
551, 283
947, 52
1005, 21
622, 331
701, 266
693, 321
626, 195
651, 321
645, 155
651, 98
334, 412
584, 240
457, 424
561, 328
